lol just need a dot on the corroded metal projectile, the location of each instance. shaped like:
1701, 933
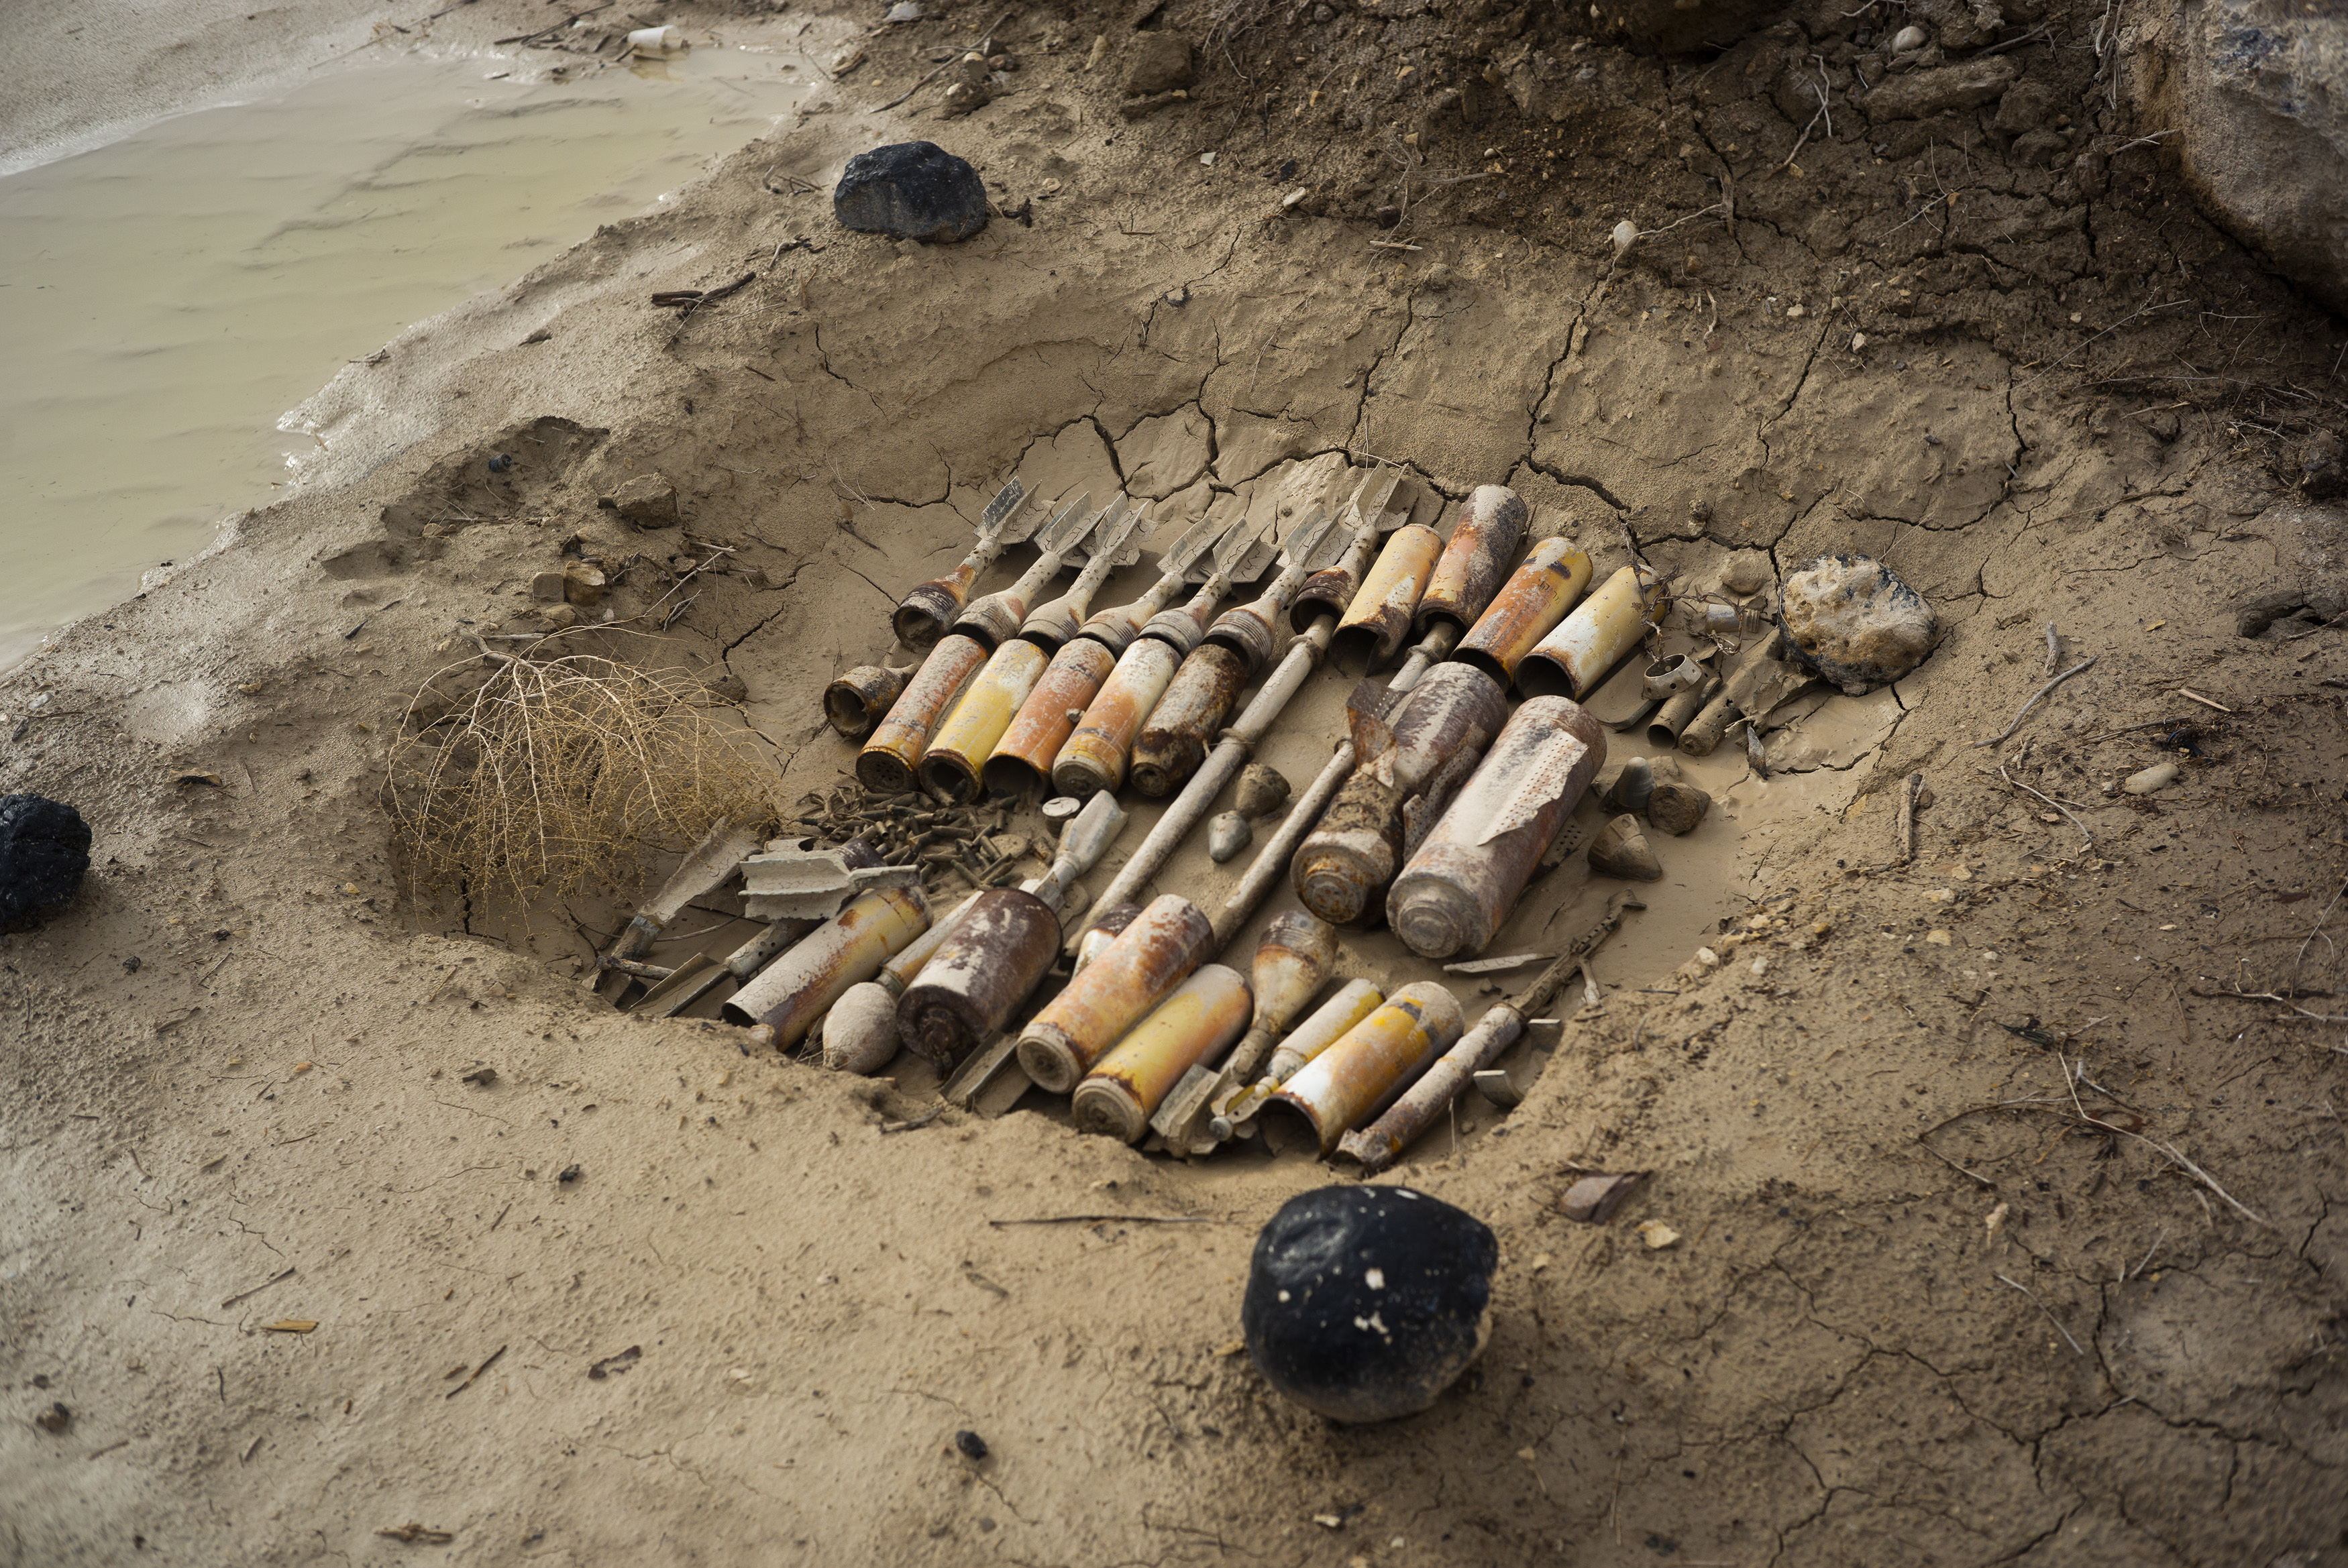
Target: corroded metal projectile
1376, 1145
1572, 660
998, 951
1333, 586
1139, 969
1535, 599
1189, 1028
1377, 1059
1378, 618
1341, 869
1475, 561
706, 866
1116, 628
1675, 716
860, 1032
1107, 927
794, 991
996, 619
889, 760
1291, 958
1113, 541
967, 736
1095, 757
1466, 879
860, 699
757, 953
1022, 760
924, 614
1188, 715
1329, 1023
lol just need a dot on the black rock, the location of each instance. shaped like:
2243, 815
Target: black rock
972, 1446
43, 850
913, 190
1366, 1303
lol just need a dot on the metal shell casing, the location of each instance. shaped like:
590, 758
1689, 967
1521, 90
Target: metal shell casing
1193, 708
860, 1032
962, 744
924, 614
1107, 927
1376, 1145
793, 992
1354, 1001
1022, 758
1379, 1057
1095, 757
1571, 660
1249, 631
1342, 868
998, 952
1378, 618
889, 760
1332, 588
1535, 599
1466, 876
856, 701
1291, 958
1139, 969
1474, 564
1189, 1028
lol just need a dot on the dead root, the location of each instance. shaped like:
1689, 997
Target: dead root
558, 772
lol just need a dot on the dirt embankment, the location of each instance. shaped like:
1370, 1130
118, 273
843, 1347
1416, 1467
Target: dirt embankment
2009, 1182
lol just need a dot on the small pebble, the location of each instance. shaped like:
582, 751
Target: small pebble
1939, 937
1908, 39
971, 1445
1657, 1234
2151, 778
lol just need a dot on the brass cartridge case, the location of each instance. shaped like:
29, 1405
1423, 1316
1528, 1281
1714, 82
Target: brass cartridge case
1141, 968
1189, 1028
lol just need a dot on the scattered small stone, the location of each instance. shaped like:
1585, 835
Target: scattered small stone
1747, 572
912, 189
53, 1420
969, 1445
567, 1174
1657, 1234
1706, 958
1852, 619
726, 686
43, 851
501, 463
1677, 808
1593, 1198
2152, 778
550, 585
1920, 95
1621, 850
1157, 63
1262, 790
1938, 937
1908, 39
647, 500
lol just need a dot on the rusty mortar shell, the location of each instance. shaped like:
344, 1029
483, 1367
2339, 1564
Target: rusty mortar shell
1342, 868
1375, 624
1355, 1079
996, 955
1189, 1028
1106, 929
1117, 627
1376, 1146
888, 762
1474, 565
1095, 755
1022, 760
1055, 624
996, 619
1330, 1022
1329, 591
1458, 889
794, 991
1572, 660
860, 1032
1675, 715
1292, 960
962, 744
923, 615
860, 699
1535, 599
1139, 969
1187, 719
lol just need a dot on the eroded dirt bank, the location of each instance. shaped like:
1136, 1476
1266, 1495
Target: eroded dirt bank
1842, 1359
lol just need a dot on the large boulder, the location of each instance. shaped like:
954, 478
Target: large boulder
913, 190
2257, 92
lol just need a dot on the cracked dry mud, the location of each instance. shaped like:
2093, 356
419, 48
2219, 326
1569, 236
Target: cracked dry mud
1842, 1360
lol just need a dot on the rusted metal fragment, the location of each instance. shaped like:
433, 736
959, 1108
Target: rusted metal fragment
1189, 1028
1198, 700
998, 951
1593, 1198
1375, 1061
1483, 547
1022, 760
1674, 717
1571, 660
793, 992
1535, 599
1139, 969
1343, 865
862, 698
1376, 1145
888, 762
1461, 886
923, 615
963, 743
1107, 927
1095, 755
1375, 623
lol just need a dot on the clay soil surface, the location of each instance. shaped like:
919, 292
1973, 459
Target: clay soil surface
2011, 1183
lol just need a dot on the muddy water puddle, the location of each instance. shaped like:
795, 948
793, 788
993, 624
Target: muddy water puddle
165, 297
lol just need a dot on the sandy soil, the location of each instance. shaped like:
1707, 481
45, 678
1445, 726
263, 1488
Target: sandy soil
1923, 1310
